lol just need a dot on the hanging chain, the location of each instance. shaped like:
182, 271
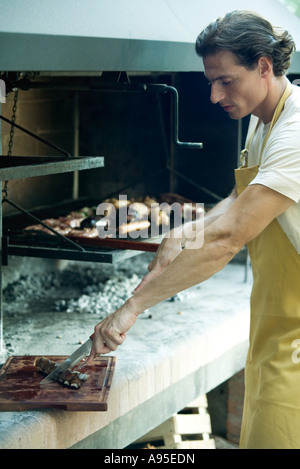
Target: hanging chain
11, 136
13, 119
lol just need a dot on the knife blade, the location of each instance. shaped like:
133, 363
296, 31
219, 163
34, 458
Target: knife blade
71, 361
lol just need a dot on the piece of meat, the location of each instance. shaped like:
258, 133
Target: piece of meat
85, 233
134, 226
43, 364
71, 378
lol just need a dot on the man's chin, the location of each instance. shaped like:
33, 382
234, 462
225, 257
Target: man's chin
236, 115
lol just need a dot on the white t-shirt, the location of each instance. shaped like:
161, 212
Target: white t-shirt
280, 163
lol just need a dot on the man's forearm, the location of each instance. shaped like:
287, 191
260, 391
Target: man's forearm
221, 208
182, 267
189, 268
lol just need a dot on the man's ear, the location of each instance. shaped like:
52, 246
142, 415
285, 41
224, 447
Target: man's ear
265, 65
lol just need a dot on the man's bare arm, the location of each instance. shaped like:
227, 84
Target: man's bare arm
245, 219
173, 244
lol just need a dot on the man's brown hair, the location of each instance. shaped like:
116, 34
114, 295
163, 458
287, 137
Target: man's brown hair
248, 36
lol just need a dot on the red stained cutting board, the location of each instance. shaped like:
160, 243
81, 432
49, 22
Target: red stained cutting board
20, 386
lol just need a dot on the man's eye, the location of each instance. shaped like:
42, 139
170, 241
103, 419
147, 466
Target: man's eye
226, 83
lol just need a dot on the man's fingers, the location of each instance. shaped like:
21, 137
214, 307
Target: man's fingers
98, 351
99, 346
111, 332
113, 339
105, 342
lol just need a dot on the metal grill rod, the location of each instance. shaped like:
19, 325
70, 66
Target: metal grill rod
35, 136
5, 199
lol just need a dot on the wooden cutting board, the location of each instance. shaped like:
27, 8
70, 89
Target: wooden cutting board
20, 386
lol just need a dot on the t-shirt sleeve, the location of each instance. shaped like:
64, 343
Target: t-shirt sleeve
280, 167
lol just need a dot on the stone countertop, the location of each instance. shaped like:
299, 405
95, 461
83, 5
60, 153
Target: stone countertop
175, 352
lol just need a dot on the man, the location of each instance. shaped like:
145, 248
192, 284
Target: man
245, 61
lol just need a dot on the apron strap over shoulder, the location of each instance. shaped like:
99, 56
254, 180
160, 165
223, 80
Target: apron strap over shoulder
278, 110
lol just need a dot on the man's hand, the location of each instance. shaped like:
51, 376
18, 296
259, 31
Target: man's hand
111, 332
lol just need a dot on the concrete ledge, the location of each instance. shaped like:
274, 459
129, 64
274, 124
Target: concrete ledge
160, 407
165, 363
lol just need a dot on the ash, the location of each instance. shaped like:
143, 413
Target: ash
80, 287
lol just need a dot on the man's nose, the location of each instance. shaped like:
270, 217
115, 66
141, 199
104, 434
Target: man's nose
217, 93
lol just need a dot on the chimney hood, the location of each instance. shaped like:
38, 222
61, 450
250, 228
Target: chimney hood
88, 36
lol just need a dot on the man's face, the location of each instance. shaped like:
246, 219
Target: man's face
238, 90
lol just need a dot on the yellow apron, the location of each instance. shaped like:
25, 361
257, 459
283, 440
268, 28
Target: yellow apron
271, 417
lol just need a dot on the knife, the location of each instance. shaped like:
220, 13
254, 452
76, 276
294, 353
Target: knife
71, 361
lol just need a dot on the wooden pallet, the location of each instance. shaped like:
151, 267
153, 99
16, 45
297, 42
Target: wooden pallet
188, 429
